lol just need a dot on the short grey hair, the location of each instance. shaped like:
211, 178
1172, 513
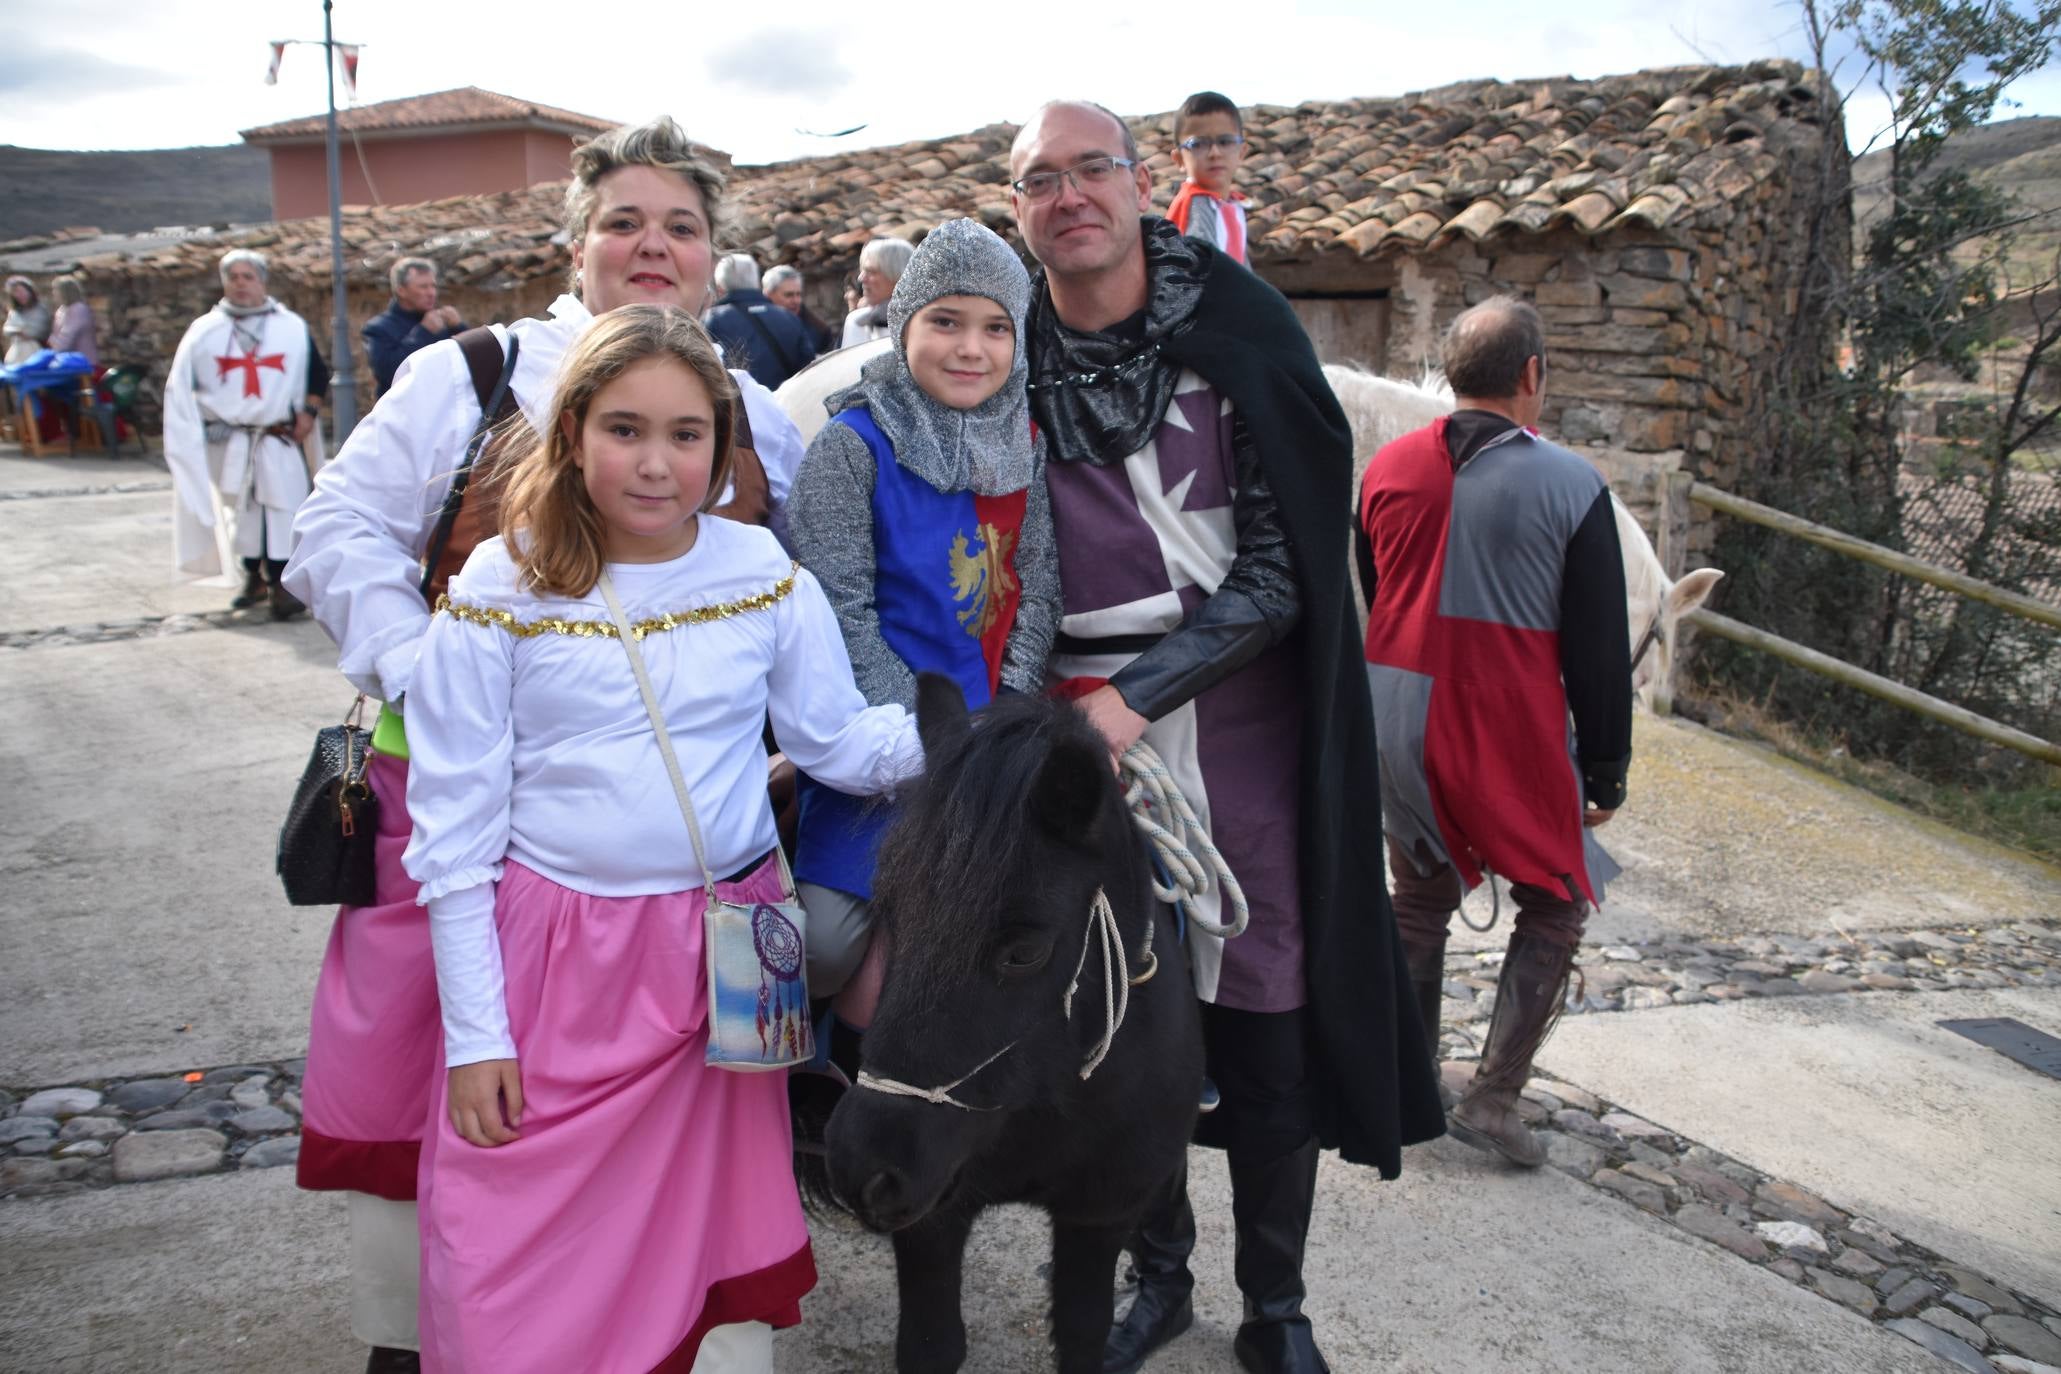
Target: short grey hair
397, 275
1123, 128
69, 290
777, 277
660, 144
737, 272
245, 255
1486, 348
889, 256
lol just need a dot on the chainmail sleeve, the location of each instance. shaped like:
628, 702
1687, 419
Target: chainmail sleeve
1037, 569
830, 528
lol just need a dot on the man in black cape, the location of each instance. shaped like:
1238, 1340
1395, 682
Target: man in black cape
1200, 473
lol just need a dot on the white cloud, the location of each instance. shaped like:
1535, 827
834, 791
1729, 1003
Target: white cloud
829, 65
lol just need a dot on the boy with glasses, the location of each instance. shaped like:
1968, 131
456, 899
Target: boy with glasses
1211, 144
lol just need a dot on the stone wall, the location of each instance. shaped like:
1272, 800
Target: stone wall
143, 317
1661, 342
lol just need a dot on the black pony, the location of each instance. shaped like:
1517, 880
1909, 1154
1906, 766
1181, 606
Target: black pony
988, 892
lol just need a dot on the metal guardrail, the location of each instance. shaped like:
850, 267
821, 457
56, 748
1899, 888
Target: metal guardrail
1803, 656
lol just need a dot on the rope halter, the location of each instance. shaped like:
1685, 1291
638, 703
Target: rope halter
1162, 814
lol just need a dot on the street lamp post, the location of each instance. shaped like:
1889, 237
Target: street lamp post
343, 386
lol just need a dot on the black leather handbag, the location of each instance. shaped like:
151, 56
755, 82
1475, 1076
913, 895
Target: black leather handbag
325, 847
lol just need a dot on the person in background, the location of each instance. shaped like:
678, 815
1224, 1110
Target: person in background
73, 330
412, 320
28, 321
1497, 617
1210, 144
769, 341
783, 287
240, 405
881, 263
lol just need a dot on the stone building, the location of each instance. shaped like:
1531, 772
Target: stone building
1650, 216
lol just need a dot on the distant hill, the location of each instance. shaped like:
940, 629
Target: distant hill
2022, 156
128, 191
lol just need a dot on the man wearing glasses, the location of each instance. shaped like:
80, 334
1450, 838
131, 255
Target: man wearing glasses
1200, 472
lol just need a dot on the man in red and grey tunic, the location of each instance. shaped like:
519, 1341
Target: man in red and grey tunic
1502, 686
240, 436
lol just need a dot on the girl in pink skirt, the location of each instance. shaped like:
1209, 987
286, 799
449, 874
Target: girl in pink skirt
593, 1196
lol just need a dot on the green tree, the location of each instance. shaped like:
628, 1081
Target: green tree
1924, 291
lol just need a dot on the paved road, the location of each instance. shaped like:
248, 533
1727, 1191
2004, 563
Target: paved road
142, 932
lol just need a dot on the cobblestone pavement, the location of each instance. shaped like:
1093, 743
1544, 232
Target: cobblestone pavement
73, 1137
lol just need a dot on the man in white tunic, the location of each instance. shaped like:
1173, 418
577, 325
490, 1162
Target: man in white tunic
240, 434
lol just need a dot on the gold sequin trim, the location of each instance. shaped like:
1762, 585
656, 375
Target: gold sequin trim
605, 629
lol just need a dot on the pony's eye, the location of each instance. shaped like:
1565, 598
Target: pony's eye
1024, 957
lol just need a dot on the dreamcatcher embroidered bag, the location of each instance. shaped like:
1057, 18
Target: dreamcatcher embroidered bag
758, 994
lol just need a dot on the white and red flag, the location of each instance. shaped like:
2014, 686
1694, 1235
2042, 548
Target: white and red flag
272, 72
349, 53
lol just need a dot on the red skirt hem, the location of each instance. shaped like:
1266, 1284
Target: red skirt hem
383, 1168
771, 1295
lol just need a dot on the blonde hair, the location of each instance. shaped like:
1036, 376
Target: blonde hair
548, 521
661, 144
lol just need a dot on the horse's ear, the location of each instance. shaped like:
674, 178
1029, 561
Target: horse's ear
941, 715
1068, 789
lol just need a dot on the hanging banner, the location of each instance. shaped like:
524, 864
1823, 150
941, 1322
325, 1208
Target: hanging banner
350, 70
272, 72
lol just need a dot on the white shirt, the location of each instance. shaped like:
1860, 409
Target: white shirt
359, 539
538, 747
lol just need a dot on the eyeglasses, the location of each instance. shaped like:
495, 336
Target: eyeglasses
1202, 143
1087, 177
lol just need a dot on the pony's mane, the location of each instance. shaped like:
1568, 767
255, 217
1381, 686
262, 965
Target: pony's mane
966, 822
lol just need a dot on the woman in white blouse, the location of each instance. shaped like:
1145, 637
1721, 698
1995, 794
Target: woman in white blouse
642, 212
594, 1195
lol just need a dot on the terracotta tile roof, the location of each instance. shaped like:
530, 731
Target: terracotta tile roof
465, 105
1362, 176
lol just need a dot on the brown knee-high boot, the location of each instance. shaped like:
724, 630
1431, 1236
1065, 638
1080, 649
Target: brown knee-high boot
1529, 997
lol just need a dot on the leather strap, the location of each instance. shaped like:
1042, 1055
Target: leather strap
492, 374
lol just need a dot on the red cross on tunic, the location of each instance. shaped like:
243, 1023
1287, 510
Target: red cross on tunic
250, 363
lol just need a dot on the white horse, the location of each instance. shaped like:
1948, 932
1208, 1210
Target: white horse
1380, 409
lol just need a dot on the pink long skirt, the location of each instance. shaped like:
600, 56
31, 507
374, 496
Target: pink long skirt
650, 1197
375, 1039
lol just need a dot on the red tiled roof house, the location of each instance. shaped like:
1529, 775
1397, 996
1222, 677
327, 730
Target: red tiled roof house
425, 147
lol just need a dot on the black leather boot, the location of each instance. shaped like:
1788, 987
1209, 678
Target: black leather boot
253, 592
1270, 1206
285, 605
386, 1360
1164, 1307
1427, 965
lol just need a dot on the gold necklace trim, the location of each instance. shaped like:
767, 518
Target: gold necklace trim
605, 629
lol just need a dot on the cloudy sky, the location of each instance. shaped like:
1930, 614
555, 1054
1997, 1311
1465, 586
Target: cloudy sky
765, 81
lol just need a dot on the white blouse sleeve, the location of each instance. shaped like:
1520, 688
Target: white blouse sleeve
358, 539
821, 721
461, 739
